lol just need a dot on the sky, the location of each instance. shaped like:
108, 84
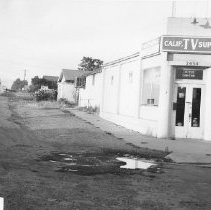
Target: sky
45, 36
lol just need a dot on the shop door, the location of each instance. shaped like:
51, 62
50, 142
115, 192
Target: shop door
188, 113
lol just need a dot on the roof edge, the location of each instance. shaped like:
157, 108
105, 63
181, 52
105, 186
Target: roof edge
121, 59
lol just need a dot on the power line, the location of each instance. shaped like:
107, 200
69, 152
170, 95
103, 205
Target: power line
173, 9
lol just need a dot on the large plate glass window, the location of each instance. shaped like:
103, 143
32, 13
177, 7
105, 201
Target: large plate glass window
151, 86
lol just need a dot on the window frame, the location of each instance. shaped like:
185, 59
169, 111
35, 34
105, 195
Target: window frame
150, 101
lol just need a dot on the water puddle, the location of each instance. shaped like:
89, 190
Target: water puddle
70, 164
71, 170
68, 158
92, 164
134, 163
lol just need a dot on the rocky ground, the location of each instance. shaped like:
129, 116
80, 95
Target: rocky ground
51, 159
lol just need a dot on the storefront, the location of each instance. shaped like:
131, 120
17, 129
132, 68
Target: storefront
188, 102
165, 90
189, 60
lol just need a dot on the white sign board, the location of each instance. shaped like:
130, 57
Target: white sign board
150, 48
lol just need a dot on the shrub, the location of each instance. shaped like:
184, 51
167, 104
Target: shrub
90, 109
44, 95
65, 102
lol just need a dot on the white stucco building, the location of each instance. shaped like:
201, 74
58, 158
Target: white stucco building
91, 95
67, 84
163, 91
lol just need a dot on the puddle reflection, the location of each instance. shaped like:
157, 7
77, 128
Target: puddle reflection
132, 163
68, 159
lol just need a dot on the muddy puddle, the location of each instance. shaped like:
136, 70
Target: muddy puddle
93, 164
135, 163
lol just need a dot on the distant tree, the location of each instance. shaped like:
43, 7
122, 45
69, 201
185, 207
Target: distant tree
37, 82
19, 84
89, 64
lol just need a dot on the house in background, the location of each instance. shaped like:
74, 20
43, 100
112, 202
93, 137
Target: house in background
67, 84
90, 95
52, 82
3, 88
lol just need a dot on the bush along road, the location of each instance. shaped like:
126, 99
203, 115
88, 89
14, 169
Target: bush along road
51, 159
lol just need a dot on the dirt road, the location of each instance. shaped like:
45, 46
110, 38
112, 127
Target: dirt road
50, 159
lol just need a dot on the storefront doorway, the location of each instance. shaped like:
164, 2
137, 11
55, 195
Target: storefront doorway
188, 110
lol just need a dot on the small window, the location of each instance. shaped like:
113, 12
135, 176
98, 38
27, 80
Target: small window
81, 82
70, 81
112, 80
130, 77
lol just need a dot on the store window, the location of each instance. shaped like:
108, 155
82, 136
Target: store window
151, 86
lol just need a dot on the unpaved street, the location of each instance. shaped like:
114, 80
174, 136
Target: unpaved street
50, 159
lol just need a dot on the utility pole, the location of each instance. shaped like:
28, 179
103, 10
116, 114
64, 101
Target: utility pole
207, 9
24, 77
173, 9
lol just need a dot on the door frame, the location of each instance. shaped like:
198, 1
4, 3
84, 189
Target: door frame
198, 131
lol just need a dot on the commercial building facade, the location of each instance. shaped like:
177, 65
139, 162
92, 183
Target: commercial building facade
165, 90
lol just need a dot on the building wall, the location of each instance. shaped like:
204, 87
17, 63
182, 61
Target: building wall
130, 108
122, 101
121, 88
91, 94
110, 89
66, 90
129, 88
